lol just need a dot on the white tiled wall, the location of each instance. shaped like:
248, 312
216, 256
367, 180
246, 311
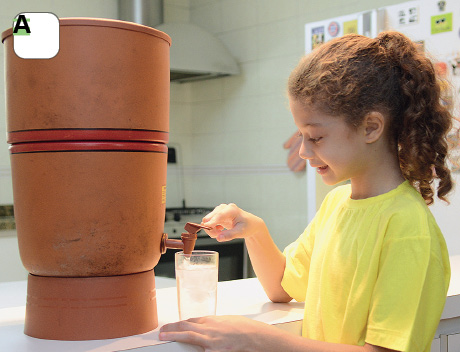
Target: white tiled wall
176, 10
10, 261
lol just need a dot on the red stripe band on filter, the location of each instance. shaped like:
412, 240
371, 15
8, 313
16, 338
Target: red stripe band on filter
87, 146
87, 135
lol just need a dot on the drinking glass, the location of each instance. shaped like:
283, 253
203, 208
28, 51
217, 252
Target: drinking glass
196, 280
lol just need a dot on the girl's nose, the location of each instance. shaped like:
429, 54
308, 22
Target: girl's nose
305, 152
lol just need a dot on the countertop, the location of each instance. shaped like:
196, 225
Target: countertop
241, 297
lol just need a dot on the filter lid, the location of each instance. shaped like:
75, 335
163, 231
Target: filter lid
103, 22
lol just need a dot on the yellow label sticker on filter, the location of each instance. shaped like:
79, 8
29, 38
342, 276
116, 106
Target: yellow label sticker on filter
163, 194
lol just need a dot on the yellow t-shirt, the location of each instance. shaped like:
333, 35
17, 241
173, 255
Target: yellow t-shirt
373, 270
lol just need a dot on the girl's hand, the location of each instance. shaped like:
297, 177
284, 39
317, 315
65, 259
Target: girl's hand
221, 333
236, 333
229, 222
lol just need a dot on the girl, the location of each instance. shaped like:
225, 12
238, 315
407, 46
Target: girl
372, 266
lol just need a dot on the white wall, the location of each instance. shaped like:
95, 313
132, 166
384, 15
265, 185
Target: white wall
11, 268
447, 216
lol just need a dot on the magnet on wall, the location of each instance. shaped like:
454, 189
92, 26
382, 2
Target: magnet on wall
441, 5
350, 27
333, 29
441, 23
317, 37
455, 64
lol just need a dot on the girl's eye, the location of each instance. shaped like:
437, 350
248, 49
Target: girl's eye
315, 140
299, 134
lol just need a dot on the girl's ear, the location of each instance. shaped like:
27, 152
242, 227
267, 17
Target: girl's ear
374, 124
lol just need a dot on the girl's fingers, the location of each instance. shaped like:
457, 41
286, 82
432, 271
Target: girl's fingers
227, 222
217, 210
227, 235
223, 216
215, 231
187, 331
190, 337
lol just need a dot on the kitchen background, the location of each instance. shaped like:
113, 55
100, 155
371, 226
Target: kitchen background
229, 132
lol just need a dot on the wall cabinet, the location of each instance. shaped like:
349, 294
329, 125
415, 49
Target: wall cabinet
453, 343
446, 343
436, 345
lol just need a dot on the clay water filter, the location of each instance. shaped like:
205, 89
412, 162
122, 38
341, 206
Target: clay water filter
88, 132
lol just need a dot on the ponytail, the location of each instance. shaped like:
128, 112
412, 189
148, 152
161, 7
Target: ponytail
423, 122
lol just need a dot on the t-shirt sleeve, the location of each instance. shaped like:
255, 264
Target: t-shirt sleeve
298, 255
410, 291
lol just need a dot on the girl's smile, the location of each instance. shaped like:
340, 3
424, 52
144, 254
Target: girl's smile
322, 169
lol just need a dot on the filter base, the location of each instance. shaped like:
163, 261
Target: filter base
92, 308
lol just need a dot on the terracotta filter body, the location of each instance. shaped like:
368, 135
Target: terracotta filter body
88, 132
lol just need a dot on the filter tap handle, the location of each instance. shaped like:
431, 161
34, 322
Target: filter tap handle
191, 227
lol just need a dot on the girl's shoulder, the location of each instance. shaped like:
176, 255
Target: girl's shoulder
406, 215
403, 201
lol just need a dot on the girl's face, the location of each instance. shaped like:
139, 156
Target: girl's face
337, 151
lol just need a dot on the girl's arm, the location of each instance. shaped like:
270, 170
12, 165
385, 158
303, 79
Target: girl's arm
268, 263
229, 222
235, 333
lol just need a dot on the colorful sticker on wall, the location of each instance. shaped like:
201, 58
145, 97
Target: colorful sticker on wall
441, 23
453, 141
317, 37
408, 15
455, 64
441, 69
333, 29
350, 27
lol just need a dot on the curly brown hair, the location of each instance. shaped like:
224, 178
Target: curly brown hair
353, 75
